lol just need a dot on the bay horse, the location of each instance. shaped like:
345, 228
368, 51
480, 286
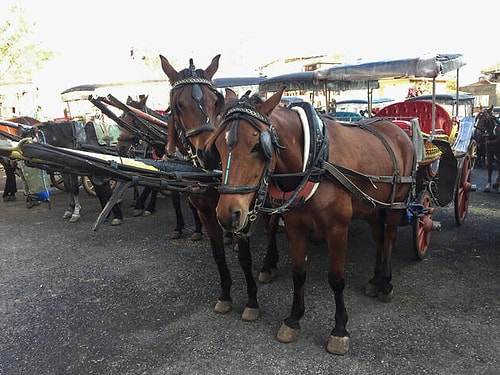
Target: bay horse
129, 144
10, 190
488, 127
195, 105
320, 177
73, 135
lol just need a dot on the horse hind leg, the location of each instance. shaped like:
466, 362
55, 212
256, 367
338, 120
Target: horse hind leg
269, 269
384, 230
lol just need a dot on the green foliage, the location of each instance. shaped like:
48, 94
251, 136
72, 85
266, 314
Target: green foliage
20, 53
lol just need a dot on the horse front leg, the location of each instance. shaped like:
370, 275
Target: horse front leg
336, 238
198, 226
298, 238
75, 217
206, 212
269, 268
71, 187
251, 311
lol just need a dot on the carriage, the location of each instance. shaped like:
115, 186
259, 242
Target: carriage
443, 139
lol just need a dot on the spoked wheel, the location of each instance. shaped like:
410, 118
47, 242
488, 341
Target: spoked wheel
423, 226
89, 186
57, 180
462, 192
473, 153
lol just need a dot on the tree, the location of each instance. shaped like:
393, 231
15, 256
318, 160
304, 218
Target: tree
20, 53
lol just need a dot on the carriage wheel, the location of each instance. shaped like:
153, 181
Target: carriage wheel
473, 152
89, 186
422, 227
57, 180
463, 190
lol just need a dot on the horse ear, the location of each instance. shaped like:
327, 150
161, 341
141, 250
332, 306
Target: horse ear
490, 109
169, 70
230, 94
129, 100
212, 68
143, 100
268, 106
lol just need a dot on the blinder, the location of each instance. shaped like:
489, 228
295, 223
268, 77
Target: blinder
266, 144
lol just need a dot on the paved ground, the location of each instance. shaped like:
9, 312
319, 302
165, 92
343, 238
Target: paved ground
128, 300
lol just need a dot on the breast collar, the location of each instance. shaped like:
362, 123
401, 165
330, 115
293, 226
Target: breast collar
314, 136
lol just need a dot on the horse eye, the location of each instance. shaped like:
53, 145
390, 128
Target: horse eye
256, 148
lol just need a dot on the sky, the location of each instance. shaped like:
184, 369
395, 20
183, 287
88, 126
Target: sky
92, 38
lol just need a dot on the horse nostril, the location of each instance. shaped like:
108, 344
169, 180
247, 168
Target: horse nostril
236, 217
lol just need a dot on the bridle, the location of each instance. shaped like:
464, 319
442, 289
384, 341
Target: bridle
269, 142
195, 82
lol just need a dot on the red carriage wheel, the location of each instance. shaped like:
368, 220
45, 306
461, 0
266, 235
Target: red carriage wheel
423, 226
473, 146
464, 187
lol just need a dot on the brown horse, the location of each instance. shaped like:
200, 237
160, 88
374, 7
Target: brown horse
132, 142
488, 127
359, 171
195, 105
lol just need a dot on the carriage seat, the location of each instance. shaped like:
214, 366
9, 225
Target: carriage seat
423, 111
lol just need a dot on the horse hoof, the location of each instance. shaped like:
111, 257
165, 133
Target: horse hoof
74, 219
287, 334
116, 222
175, 234
67, 214
266, 277
487, 188
196, 236
371, 290
386, 297
338, 345
146, 213
222, 307
250, 314
137, 212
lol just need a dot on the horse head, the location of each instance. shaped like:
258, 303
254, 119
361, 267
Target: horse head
128, 139
195, 104
487, 125
247, 143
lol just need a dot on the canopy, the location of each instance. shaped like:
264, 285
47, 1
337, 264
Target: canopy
309, 81
446, 98
364, 101
429, 66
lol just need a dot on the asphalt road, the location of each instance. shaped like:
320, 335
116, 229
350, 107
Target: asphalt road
129, 300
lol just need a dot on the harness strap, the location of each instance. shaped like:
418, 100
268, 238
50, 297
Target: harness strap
357, 192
